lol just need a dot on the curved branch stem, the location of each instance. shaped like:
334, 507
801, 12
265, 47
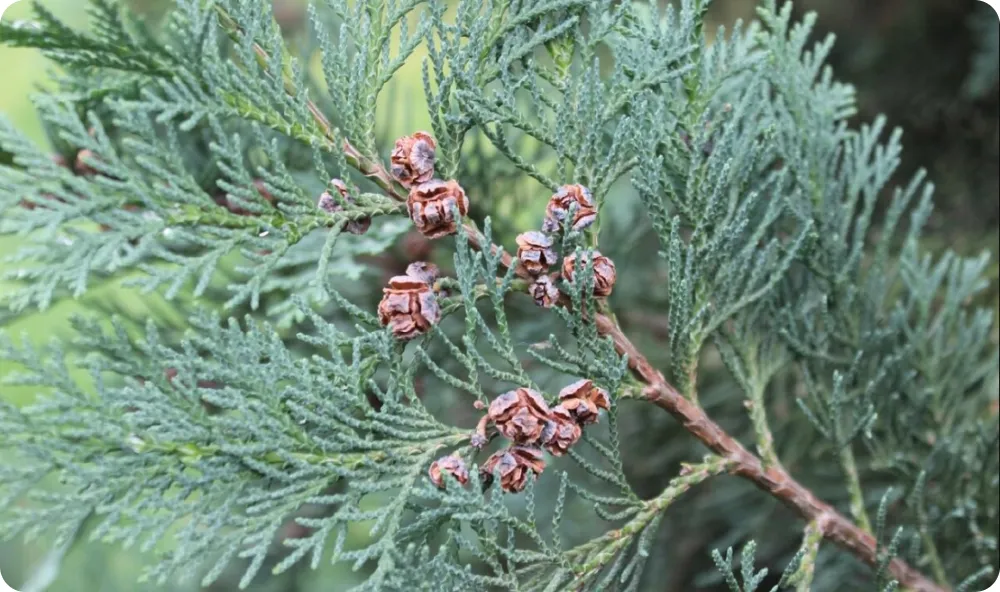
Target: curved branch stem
774, 480
373, 169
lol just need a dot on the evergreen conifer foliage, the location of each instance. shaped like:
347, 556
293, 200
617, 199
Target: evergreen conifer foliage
306, 413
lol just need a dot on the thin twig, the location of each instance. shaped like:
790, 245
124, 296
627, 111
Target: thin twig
803, 576
773, 479
854, 488
374, 170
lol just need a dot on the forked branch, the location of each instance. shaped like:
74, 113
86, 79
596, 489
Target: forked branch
774, 480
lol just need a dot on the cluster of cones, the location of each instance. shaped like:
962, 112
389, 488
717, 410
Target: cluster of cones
524, 418
409, 306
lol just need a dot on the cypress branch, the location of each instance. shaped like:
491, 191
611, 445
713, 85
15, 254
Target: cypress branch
774, 480
379, 392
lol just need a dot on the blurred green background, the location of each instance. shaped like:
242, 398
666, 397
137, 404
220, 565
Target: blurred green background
930, 65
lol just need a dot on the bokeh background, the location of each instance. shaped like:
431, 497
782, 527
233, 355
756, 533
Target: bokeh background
931, 66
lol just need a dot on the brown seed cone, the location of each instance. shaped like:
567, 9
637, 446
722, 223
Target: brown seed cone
450, 464
412, 159
329, 204
584, 401
520, 415
534, 252
561, 432
408, 307
515, 465
604, 271
545, 293
430, 206
559, 205
424, 271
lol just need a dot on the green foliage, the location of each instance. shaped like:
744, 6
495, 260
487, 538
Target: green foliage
281, 435
282, 426
983, 72
751, 580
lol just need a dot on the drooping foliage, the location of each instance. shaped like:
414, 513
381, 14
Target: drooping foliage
763, 266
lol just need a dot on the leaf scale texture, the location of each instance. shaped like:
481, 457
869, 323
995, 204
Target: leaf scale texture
781, 367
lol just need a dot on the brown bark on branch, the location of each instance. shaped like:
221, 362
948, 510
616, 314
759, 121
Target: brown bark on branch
773, 480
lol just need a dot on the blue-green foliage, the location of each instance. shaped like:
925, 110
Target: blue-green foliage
759, 197
282, 432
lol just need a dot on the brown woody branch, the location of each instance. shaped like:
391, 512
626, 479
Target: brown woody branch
775, 480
